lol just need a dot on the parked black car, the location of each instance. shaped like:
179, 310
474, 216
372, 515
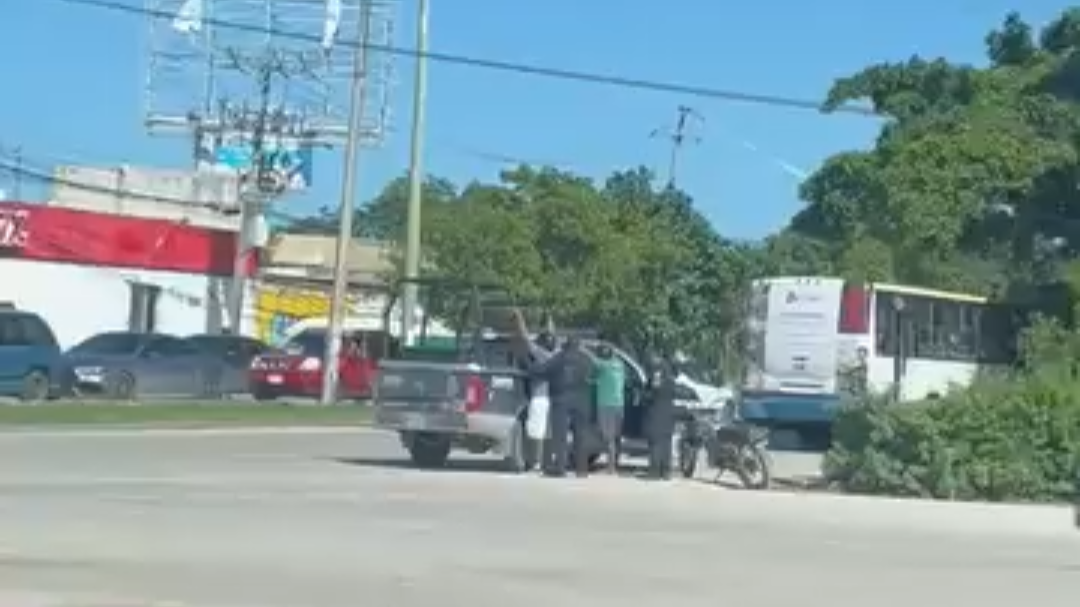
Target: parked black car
236, 352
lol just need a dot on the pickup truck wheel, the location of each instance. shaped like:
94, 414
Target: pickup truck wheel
429, 452
594, 461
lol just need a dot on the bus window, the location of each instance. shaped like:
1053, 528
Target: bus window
919, 317
885, 326
997, 335
965, 344
952, 332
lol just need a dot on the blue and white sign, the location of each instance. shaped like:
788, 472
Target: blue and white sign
292, 163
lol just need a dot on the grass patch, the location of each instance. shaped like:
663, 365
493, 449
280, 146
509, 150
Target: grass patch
180, 415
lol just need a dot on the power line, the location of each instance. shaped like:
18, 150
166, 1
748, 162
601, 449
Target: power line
497, 65
43, 176
23, 168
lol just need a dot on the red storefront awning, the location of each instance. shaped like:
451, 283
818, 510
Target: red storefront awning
43, 233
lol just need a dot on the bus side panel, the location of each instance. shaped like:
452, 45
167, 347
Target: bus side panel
931, 367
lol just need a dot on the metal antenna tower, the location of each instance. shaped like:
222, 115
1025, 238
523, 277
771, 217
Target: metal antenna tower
191, 70
680, 135
257, 101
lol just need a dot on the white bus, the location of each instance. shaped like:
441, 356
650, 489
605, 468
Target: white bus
814, 340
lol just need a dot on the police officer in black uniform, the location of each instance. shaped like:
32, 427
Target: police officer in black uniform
661, 417
569, 379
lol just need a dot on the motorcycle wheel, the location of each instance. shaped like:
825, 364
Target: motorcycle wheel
688, 459
755, 468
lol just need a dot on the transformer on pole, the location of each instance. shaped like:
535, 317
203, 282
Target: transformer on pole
257, 86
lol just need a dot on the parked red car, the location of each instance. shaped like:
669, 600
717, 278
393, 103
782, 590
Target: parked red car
296, 370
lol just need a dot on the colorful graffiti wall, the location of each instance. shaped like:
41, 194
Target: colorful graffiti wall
279, 308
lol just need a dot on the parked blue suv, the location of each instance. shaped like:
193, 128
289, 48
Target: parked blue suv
31, 363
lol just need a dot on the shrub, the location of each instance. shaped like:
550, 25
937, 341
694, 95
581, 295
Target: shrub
1009, 437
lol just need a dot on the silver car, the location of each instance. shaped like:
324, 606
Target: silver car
125, 365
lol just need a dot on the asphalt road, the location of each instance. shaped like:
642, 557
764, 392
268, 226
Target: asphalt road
330, 519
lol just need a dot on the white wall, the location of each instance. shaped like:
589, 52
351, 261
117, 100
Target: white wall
146, 192
78, 301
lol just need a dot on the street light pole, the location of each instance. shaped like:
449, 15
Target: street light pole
338, 304
416, 176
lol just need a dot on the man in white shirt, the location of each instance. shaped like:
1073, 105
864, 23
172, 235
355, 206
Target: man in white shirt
538, 417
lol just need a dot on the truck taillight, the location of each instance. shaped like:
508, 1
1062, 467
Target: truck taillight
475, 394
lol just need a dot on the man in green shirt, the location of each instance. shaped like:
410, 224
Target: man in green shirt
610, 382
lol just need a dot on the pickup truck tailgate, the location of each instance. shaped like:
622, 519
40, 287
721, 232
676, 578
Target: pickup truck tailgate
415, 383
420, 395
440, 396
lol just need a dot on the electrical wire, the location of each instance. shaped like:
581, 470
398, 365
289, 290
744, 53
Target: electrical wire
23, 167
497, 65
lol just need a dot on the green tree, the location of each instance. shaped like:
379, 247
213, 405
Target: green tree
973, 169
383, 217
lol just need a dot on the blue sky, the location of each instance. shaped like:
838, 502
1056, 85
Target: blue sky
73, 79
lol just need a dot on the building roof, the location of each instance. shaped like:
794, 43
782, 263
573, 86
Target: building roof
317, 254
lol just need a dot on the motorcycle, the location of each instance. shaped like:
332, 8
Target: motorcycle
728, 445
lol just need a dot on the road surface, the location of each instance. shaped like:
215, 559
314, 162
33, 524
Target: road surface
326, 518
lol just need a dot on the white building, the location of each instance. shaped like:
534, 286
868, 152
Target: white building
87, 272
201, 198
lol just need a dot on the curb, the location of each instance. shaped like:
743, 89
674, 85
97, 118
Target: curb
137, 430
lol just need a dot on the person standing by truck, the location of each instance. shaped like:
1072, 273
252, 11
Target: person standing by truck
661, 417
610, 382
538, 413
569, 375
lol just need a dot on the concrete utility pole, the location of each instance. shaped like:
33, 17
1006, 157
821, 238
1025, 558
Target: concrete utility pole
409, 303
346, 210
255, 195
679, 136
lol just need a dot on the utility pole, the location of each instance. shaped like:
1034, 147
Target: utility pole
346, 210
679, 136
416, 177
256, 193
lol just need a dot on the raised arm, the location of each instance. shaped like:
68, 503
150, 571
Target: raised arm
521, 341
546, 366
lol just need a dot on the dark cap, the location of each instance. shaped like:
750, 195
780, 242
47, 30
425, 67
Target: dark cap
546, 340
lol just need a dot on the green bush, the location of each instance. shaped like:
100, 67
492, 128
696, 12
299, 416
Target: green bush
1009, 437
